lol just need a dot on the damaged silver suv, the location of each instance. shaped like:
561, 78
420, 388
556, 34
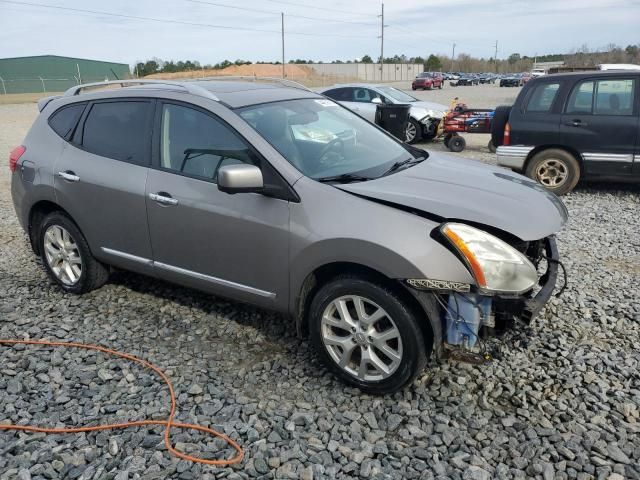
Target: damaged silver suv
271, 194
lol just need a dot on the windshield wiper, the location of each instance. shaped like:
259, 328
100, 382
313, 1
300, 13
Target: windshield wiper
402, 163
343, 178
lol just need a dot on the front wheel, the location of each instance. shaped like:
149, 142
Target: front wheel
367, 335
555, 169
414, 131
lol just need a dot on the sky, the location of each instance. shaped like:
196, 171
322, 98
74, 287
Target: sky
210, 31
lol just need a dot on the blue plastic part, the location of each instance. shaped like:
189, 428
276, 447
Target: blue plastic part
464, 316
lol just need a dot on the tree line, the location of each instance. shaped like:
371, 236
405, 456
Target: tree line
515, 62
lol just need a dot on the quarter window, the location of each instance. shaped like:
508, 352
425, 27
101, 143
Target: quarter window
196, 144
64, 120
614, 97
542, 98
118, 130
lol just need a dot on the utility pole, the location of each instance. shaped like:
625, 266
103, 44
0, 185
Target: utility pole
495, 57
453, 54
282, 18
382, 43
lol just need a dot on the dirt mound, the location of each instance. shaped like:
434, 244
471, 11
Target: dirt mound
259, 70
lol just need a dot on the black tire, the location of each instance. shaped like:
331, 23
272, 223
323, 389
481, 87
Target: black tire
93, 273
498, 122
418, 130
491, 147
447, 137
413, 88
563, 160
457, 144
440, 86
415, 351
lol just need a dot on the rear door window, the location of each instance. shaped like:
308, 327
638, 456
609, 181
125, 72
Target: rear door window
64, 120
119, 130
581, 98
542, 98
340, 94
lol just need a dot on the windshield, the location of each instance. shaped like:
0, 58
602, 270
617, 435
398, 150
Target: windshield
322, 139
397, 95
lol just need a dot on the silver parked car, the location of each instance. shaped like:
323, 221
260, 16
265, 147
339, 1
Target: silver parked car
277, 196
363, 98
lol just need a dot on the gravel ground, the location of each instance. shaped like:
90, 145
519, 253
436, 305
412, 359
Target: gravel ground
563, 402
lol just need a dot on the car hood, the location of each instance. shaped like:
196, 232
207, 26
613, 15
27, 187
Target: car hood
429, 106
465, 190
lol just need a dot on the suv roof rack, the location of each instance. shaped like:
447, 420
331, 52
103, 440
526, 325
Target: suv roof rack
189, 87
285, 82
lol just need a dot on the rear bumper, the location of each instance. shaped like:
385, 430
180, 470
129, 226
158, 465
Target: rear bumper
513, 157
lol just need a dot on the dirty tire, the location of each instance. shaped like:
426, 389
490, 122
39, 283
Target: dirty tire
415, 351
564, 162
93, 275
457, 144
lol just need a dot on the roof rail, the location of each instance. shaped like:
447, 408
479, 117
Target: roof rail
189, 87
285, 82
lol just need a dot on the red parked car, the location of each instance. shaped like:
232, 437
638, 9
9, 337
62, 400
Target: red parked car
427, 81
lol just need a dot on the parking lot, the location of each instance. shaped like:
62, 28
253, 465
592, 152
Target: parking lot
561, 399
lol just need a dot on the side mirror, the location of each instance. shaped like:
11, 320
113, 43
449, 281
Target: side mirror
241, 178
376, 100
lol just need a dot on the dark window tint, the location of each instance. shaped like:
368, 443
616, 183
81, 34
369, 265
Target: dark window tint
197, 144
64, 120
581, 98
118, 130
543, 97
341, 94
614, 97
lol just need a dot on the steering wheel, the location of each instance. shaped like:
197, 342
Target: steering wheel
335, 146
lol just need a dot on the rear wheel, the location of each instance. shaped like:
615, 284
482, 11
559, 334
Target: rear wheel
491, 147
66, 256
555, 169
457, 144
367, 335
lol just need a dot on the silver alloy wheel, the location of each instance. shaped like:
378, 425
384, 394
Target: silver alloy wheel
552, 173
62, 255
361, 338
411, 132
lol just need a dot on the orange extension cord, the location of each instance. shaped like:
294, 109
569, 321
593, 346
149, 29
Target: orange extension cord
169, 423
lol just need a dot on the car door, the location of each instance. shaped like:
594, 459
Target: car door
536, 121
100, 180
600, 121
232, 245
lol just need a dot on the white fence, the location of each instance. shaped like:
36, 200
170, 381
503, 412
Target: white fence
370, 72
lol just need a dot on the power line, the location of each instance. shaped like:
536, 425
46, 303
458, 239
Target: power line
178, 22
332, 10
273, 12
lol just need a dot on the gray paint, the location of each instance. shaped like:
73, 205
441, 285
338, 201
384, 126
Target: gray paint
261, 249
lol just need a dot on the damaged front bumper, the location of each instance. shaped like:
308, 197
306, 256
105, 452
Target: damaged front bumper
461, 319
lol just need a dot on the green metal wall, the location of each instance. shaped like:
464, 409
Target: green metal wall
50, 73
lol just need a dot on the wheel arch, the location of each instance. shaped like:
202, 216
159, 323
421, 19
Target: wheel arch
541, 148
326, 272
38, 211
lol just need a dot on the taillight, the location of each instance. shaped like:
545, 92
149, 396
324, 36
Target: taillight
14, 156
506, 140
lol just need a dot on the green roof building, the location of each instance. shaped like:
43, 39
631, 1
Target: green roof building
51, 73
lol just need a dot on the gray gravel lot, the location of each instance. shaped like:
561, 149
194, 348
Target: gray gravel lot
561, 401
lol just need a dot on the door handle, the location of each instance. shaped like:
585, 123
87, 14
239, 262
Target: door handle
163, 198
576, 123
69, 176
